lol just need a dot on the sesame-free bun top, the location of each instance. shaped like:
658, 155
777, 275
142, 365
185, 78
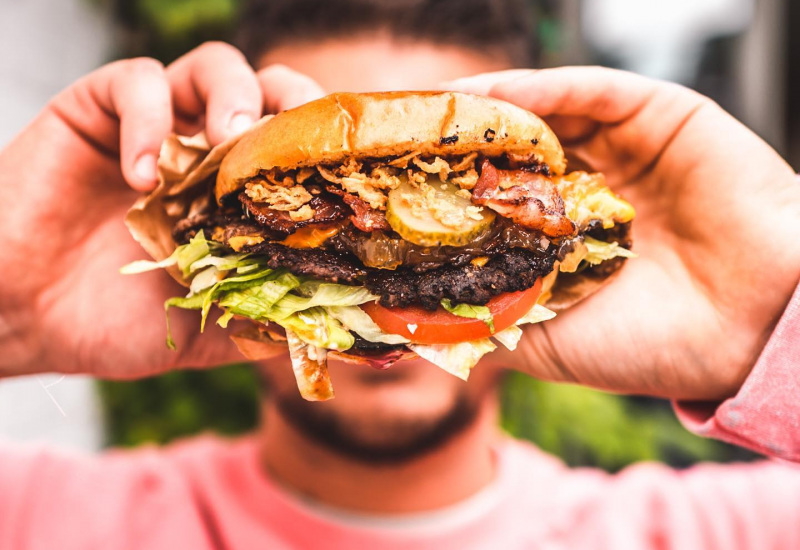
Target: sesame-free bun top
388, 124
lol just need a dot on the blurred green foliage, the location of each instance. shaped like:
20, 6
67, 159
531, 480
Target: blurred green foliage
177, 404
582, 426
588, 427
166, 29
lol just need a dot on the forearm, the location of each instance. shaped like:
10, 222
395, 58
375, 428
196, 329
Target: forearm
765, 414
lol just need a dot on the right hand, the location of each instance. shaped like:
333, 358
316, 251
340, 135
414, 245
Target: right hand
66, 182
718, 218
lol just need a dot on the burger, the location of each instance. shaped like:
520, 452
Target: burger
376, 227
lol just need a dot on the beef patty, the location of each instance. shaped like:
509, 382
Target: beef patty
516, 270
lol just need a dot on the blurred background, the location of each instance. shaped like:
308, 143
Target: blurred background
739, 52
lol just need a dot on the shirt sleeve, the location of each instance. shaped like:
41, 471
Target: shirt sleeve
60, 499
765, 414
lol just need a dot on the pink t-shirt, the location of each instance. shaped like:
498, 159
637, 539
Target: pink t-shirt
208, 493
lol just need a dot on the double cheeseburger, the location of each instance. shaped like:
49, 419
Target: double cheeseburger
380, 226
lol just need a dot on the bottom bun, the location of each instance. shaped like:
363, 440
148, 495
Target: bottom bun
256, 344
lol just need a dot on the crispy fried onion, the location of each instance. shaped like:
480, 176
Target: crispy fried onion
528, 198
438, 166
279, 197
310, 367
365, 184
369, 186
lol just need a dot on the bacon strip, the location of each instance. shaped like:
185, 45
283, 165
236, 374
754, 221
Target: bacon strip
528, 198
364, 216
327, 208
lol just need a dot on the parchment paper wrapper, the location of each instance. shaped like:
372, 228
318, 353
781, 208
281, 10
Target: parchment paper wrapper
187, 168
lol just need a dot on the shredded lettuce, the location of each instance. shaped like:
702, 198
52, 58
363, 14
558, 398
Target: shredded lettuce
188, 254
206, 279
316, 328
469, 311
191, 302
355, 319
184, 257
257, 301
457, 359
237, 283
142, 266
536, 314
225, 318
600, 251
318, 294
224, 263
509, 337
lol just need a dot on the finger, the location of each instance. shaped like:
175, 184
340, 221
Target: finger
604, 95
136, 93
285, 88
482, 84
216, 81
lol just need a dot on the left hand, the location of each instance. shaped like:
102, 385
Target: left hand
66, 183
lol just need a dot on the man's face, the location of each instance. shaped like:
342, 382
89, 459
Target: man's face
412, 407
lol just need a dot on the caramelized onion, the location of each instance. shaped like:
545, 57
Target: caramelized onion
386, 250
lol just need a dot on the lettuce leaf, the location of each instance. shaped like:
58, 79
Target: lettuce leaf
191, 302
600, 251
224, 263
318, 294
206, 279
509, 337
184, 257
316, 328
457, 359
257, 301
240, 282
469, 311
355, 319
188, 254
536, 314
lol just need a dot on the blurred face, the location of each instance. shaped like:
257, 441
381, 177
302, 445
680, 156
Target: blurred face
394, 414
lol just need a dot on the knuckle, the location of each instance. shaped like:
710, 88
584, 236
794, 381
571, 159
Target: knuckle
275, 70
142, 66
219, 49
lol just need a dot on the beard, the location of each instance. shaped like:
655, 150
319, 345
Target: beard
379, 439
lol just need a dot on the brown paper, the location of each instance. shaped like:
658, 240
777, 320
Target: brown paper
186, 169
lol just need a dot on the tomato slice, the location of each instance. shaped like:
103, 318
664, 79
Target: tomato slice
442, 327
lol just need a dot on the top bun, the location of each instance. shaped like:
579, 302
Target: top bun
388, 124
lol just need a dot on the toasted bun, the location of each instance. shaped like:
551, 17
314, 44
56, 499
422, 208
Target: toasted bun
388, 124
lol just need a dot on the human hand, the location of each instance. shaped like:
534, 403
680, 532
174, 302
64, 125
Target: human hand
67, 181
718, 214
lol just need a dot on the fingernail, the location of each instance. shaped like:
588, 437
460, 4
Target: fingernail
145, 167
240, 122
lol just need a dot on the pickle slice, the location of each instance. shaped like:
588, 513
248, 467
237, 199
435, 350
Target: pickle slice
433, 214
